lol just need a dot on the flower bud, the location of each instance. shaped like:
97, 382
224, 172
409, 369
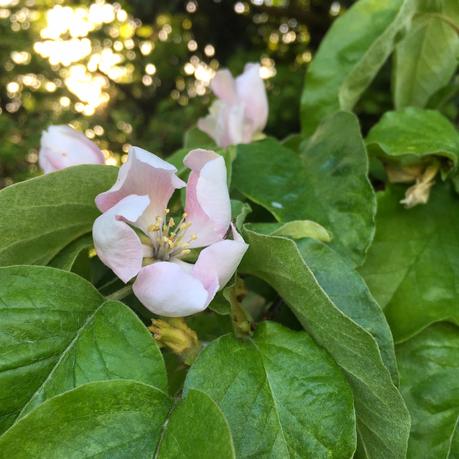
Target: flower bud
62, 146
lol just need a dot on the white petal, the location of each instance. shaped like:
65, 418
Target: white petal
143, 174
166, 289
117, 244
62, 146
223, 86
220, 259
251, 91
207, 201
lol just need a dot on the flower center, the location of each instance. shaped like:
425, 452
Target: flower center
167, 237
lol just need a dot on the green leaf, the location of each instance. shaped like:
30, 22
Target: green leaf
412, 267
327, 184
429, 371
413, 133
350, 56
195, 138
282, 395
348, 291
107, 419
209, 436
66, 258
56, 332
293, 141
239, 212
382, 419
41, 216
296, 229
176, 159
426, 58
112, 344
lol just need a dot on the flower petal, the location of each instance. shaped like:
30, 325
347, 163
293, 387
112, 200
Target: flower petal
62, 146
143, 174
116, 243
166, 289
220, 259
251, 91
223, 86
207, 199
225, 124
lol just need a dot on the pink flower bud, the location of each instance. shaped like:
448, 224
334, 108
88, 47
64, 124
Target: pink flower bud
240, 112
62, 146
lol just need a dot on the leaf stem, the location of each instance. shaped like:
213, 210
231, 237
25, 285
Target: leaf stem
121, 293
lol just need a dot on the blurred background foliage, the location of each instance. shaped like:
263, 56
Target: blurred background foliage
138, 72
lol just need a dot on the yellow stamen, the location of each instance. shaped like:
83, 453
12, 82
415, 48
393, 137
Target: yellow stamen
167, 234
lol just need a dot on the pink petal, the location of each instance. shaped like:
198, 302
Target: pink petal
116, 243
207, 200
143, 174
236, 125
225, 124
166, 289
223, 86
251, 91
62, 146
208, 124
221, 260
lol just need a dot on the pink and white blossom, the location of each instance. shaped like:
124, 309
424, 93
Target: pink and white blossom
137, 237
240, 112
62, 146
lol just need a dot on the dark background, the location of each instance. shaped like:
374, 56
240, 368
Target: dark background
137, 72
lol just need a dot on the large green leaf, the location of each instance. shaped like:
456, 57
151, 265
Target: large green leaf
328, 183
347, 290
414, 133
429, 372
349, 57
412, 268
426, 58
41, 216
282, 395
108, 419
112, 344
345, 287
209, 436
56, 333
382, 419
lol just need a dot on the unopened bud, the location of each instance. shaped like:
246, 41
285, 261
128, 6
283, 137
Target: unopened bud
174, 333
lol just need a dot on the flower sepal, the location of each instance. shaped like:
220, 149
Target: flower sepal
243, 323
174, 334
